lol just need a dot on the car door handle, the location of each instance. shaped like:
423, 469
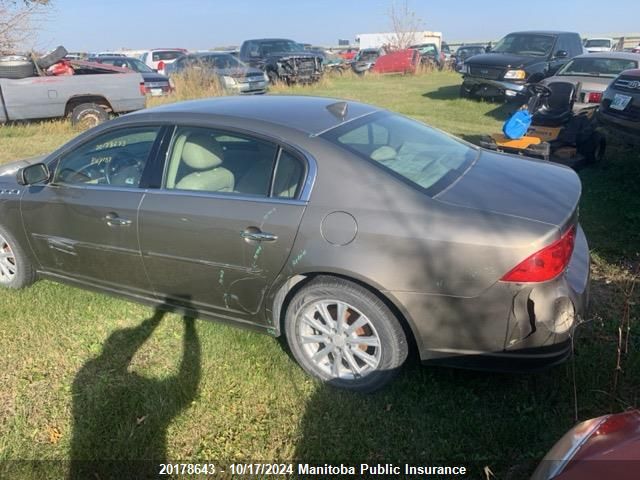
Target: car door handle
113, 220
253, 233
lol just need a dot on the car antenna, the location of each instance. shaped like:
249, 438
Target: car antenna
339, 110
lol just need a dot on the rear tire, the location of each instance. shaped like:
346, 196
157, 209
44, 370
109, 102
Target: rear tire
16, 270
363, 352
88, 115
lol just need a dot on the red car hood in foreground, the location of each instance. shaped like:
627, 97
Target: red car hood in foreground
606, 447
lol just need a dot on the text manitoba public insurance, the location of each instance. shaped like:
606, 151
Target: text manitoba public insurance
379, 469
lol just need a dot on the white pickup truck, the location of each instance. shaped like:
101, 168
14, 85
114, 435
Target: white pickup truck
85, 98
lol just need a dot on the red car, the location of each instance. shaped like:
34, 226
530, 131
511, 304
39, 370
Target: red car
402, 61
606, 447
349, 54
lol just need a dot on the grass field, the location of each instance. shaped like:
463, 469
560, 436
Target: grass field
86, 376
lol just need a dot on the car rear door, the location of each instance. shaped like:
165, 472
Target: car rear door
221, 228
83, 224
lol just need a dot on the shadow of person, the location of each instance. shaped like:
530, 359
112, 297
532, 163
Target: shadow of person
120, 418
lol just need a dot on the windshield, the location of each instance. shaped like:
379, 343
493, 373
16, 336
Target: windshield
525, 44
597, 67
426, 49
139, 66
219, 61
469, 51
367, 56
278, 46
602, 42
418, 154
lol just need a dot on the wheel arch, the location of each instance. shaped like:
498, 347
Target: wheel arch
295, 283
76, 100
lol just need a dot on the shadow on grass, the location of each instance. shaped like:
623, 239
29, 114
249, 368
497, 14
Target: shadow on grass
440, 416
448, 92
443, 416
120, 418
610, 205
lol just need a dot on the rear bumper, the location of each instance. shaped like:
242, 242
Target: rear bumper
486, 87
508, 327
627, 130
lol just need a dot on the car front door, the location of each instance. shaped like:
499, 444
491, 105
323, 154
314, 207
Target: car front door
83, 224
222, 227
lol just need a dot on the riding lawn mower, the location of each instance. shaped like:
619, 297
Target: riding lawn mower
547, 127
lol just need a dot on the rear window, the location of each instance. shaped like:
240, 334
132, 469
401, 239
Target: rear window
420, 155
597, 67
165, 55
598, 43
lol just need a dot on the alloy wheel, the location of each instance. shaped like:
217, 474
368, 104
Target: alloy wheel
8, 265
339, 339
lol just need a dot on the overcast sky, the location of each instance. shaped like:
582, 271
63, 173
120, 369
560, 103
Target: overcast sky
85, 25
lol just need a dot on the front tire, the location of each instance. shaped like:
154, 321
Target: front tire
344, 335
16, 270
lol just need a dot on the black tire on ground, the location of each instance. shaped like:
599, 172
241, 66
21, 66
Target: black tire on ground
24, 273
16, 69
464, 93
88, 115
594, 149
51, 58
393, 347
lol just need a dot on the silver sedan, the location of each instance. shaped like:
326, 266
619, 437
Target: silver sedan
592, 73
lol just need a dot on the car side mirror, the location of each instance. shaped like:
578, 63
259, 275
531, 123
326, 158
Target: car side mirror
487, 49
561, 54
32, 174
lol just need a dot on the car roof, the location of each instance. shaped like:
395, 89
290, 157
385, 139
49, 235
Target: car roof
303, 113
543, 32
612, 55
208, 54
271, 40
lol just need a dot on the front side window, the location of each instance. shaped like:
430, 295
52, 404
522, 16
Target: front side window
116, 158
420, 155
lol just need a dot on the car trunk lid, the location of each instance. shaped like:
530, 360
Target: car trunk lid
507, 185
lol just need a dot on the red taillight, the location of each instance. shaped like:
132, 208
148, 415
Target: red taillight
594, 97
160, 65
143, 90
545, 264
